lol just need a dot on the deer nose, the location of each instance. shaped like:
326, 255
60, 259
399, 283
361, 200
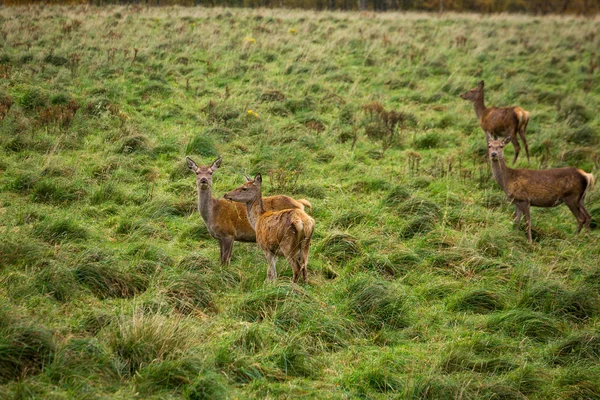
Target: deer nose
203, 180
494, 154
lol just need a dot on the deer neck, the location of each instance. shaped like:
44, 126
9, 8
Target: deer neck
205, 204
479, 106
255, 209
501, 171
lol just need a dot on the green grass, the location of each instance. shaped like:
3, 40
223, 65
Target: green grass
418, 285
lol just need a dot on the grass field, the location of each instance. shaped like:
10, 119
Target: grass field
418, 285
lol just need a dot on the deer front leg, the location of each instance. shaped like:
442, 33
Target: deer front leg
271, 262
525, 209
226, 250
518, 215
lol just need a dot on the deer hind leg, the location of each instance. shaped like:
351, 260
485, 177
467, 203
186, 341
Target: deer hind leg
515, 142
271, 262
575, 208
586, 213
303, 258
522, 134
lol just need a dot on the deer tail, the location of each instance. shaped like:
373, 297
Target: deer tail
304, 225
590, 181
306, 203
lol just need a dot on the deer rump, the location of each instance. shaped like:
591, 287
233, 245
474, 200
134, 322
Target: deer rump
278, 231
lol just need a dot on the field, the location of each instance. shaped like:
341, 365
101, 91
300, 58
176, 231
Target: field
418, 285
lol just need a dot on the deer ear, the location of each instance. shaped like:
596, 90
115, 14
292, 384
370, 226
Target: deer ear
258, 178
506, 141
216, 164
488, 136
480, 84
247, 178
191, 164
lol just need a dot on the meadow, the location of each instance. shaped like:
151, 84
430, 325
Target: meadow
419, 288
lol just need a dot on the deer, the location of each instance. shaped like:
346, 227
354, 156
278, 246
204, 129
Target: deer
284, 233
500, 121
227, 222
540, 188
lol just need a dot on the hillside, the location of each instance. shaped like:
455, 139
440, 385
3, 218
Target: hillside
418, 285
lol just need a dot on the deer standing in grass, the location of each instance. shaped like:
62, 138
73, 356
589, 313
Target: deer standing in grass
540, 188
500, 121
278, 233
228, 222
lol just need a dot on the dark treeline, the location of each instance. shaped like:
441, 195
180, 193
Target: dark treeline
582, 7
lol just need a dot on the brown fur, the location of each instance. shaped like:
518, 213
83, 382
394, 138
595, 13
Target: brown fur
278, 233
545, 188
500, 121
226, 221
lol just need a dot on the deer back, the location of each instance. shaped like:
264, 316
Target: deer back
499, 120
274, 227
231, 218
545, 188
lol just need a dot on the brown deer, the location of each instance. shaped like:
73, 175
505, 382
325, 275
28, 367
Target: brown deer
278, 233
540, 188
500, 121
228, 222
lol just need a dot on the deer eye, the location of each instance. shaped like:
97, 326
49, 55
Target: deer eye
244, 189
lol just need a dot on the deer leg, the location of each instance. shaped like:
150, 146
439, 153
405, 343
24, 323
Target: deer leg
585, 212
304, 258
222, 251
524, 206
226, 251
522, 134
518, 215
271, 261
515, 142
574, 206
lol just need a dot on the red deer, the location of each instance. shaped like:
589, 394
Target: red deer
540, 188
278, 233
228, 222
500, 121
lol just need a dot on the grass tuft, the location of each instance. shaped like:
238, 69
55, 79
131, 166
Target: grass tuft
479, 301
376, 304
517, 323
108, 282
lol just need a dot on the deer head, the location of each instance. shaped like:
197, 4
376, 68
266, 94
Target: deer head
247, 192
496, 147
203, 173
474, 93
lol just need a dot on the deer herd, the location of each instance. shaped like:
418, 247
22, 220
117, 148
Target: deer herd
281, 227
